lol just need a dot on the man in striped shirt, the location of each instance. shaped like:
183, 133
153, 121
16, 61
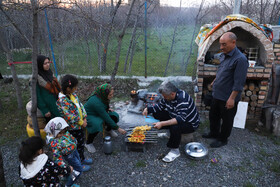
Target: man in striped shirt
176, 112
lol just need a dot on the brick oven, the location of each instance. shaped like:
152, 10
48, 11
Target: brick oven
259, 50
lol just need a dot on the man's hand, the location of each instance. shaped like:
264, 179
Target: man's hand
48, 114
158, 125
145, 112
85, 122
230, 103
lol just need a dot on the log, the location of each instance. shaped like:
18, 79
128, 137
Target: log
251, 86
245, 87
257, 89
247, 99
248, 93
253, 103
252, 108
254, 97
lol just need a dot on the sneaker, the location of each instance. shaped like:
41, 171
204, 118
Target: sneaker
86, 168
90, 148
218, 143
87, 161
75, 185
113, 134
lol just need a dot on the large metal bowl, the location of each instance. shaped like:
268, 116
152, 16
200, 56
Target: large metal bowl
196, 150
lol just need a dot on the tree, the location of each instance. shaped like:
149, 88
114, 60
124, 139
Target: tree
120, 37
13, 69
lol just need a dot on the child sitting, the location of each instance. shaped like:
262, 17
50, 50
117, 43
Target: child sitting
74, 113
36, 169
63, 146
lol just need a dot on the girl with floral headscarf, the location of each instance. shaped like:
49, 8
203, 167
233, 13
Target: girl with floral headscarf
98, 112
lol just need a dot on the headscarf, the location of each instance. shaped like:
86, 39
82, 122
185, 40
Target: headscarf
47, 75
102, 92
55, 125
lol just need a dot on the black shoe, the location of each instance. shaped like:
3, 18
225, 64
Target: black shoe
208, 135
218, 143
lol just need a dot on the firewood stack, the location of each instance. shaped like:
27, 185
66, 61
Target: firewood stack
250, 94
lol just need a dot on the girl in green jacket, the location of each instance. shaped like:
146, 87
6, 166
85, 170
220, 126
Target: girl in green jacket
99, 112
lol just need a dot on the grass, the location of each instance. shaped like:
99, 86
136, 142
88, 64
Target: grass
157, 55
13, 120
140, 164
275, 167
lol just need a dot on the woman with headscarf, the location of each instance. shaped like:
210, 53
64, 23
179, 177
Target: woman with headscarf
99, 112
47, 89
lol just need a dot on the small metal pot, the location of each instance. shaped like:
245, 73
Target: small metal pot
196, 150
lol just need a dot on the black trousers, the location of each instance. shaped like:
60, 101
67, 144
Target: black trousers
218, 113
176, 131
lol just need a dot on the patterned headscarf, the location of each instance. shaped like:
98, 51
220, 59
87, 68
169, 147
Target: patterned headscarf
102, 92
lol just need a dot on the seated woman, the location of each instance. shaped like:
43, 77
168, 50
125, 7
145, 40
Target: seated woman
47, 89
99, 112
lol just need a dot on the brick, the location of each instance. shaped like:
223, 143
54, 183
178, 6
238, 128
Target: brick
263, 88
212, 73
262, 93
277, 54
266, 75
250, 74
207, 73
276, 45
200, 73
200, 68
200, 80
261, 101
200, 63
259, 70
276, 50
267, 70
277, 62
264, 83
268, 65
260, 74
251, 70
261, 97
200, 84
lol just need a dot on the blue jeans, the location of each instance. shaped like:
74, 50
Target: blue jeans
73, 160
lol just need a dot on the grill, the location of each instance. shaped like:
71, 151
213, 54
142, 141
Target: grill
151, 137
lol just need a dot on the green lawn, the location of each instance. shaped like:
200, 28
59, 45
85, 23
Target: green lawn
157, 55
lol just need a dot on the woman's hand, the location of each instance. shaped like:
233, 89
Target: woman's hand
85, 122
145, 112
122, 131
111, 110
48, 114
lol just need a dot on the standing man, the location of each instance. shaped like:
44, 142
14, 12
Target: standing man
227, 88
176, 112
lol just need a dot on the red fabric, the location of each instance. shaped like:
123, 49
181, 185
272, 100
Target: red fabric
28, 62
